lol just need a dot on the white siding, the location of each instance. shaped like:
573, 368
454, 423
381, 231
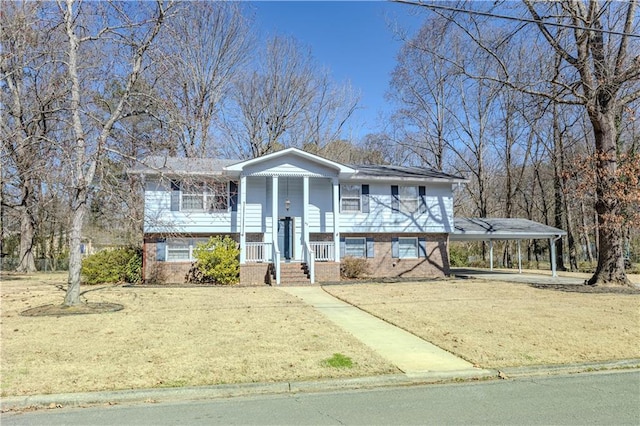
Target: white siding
320, 205
438, 217
256, 202
159, 217
381, 217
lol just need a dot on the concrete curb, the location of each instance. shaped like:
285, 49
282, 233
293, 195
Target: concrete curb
156, 395
232, 390
551, 370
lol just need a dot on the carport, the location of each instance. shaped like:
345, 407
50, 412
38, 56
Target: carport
499, 229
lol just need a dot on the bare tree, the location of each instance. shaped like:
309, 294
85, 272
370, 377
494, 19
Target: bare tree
107, 28
287, 101
30, 91
598, 45
423, 85
203, 49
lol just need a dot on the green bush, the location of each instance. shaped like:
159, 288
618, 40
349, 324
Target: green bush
458, 256
119, 265
218, 261
353, 267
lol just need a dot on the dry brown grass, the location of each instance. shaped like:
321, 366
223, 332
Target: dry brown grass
498, 324
167, 337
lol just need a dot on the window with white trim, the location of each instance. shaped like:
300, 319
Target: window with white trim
178, 250
200, 196
408, 248
181, 249
355, 247
409, 199
350, 198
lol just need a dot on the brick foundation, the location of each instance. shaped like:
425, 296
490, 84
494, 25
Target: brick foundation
327, 272
383, 265
254, 274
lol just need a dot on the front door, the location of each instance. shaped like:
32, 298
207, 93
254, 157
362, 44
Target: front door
285, 237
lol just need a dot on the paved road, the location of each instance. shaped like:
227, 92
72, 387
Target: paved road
600, 398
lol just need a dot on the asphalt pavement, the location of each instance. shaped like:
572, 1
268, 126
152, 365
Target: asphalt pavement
593, 398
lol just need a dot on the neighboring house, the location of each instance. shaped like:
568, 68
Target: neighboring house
295, 215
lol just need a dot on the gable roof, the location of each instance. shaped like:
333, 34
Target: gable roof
340, 168
176, 166
484, 229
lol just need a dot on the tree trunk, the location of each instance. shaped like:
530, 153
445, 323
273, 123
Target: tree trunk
27, 236
72, 296
610, 267
585, 234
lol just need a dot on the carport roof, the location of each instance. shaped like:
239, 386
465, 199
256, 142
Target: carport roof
484, 229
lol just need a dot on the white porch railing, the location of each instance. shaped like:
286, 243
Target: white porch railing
310, 259
257, 252
323, 251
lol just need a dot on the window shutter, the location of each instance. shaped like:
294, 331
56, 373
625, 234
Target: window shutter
339, 198
422, 192
395, 201
370, 247
175, 196
365, 198
395, 247
422, 247
233, 192
343, 247
161, 250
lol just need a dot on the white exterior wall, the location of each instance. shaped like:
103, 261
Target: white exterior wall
256, 203
158, 217
381, 218
438, 219
320, 205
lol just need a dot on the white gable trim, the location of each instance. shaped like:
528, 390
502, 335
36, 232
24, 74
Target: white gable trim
341, 169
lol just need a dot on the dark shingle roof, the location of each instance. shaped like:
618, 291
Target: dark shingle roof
211, 166
501, 229
181, 166
385, 171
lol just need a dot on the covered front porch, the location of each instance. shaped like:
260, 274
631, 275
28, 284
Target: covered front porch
289, 211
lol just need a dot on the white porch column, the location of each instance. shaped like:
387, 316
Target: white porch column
274, 210
336, 219
491, 255
241, 215
305, 209
519, 258
552, 241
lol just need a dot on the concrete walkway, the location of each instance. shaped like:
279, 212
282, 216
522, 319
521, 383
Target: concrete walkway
409, 353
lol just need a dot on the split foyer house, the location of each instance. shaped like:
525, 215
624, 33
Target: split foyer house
296, 215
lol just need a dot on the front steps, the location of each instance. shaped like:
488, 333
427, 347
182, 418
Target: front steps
291, 274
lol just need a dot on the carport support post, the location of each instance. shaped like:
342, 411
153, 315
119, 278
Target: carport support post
519, 259
552, 241
491, 255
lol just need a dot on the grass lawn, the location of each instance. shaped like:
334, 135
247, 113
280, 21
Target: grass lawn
214, 335
168, 337
499, 324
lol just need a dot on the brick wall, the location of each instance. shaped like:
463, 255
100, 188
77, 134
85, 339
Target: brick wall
384, 265
327, 272
254, 274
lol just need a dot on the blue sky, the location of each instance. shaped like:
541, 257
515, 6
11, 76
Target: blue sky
353, 39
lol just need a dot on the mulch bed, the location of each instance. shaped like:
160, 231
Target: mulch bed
573, 288
81, 309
